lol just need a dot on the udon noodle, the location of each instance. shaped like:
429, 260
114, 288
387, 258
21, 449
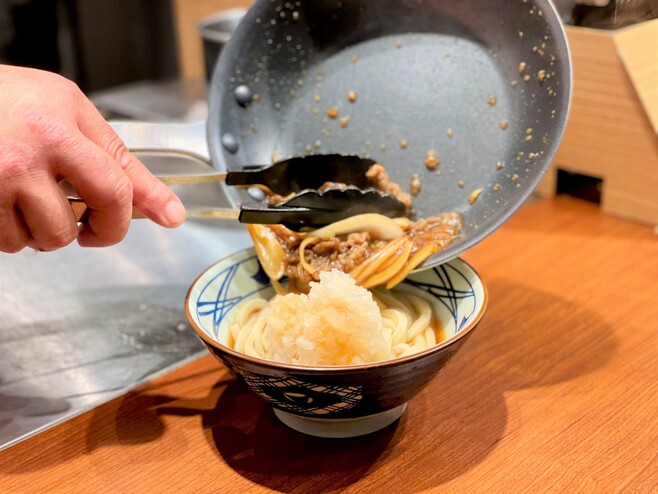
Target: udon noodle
373, 249
337, 323
340, 321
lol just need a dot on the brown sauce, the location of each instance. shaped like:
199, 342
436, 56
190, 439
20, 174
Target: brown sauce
347, 252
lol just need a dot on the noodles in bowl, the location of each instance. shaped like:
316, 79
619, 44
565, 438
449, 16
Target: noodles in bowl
337, 323
341, 322
340, 400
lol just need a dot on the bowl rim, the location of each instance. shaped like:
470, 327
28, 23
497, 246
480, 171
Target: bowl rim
334, 369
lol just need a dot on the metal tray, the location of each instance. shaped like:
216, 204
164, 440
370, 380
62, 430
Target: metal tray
79, 327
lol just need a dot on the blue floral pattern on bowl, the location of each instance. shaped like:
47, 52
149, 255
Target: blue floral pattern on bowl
448, 285
458, 300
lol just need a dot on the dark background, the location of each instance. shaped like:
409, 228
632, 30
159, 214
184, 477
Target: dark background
97, 43
101, 44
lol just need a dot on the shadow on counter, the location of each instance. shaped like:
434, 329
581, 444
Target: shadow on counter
460, 418
511, 350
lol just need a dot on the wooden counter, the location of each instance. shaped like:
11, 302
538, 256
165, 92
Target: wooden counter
556, 390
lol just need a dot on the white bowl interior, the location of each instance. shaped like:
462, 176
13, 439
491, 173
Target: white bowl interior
454, 290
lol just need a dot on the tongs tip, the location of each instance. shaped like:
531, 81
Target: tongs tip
313, 208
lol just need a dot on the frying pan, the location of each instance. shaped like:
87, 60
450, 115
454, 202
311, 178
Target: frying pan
484, 84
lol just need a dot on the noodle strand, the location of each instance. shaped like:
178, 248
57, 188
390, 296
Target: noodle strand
407, 324
388, 272
423, 253
302, 260
369, 266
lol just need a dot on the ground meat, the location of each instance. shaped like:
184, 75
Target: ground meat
357, 238
331, 185
277, 199
326, 246
289, 238
346, 253
274, 199
438, 230
377, 174
327, 254
379, 177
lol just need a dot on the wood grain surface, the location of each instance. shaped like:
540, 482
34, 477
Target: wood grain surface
555, 391
609, 134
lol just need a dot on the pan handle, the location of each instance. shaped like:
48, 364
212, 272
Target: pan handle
173, 139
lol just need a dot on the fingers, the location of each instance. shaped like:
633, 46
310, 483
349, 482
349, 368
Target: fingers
52, 132
103, 185
14, 235
150, 196
36, 211
40, 218
46, 214
33, 211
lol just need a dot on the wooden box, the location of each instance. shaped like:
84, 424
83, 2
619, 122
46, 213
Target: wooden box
612, 131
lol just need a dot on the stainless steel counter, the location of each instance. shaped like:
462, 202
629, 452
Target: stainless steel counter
79, 327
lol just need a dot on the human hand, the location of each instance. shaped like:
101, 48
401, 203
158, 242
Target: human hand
50, 132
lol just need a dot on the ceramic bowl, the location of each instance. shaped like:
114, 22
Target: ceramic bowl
341, 401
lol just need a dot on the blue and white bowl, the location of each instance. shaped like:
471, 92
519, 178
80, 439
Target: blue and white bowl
339, 401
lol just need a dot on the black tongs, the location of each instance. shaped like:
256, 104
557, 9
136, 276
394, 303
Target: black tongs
298, 178
311, 208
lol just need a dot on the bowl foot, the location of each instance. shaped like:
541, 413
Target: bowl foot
340, 428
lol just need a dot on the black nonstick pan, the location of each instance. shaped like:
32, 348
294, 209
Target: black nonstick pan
484, 86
